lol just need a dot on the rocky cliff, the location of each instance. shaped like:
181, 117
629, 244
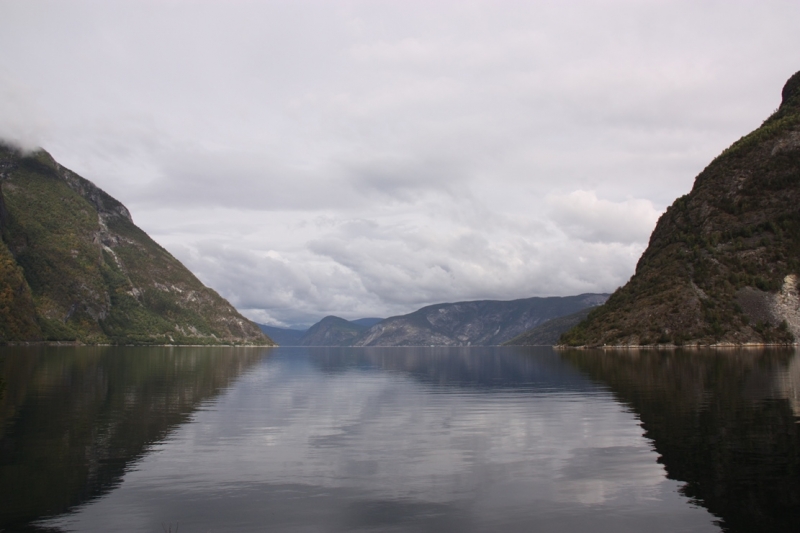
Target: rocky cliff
479, 323
722, 262
74, 267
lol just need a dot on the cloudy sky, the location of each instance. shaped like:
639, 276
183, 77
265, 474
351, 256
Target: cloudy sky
366, 158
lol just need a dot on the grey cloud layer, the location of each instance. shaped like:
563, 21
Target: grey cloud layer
366, 158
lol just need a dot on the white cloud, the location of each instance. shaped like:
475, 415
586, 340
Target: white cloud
21, 122
388, 264
582, 215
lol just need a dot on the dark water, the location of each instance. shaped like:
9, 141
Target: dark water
478, 439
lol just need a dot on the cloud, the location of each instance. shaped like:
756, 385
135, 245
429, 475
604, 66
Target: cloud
391, 156
582, 215
22, 124
388, 265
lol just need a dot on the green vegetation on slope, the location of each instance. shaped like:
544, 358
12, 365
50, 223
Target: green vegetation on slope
93, 276
17, 313
722, 261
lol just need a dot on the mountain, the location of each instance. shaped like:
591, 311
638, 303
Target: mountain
479, 323
722, 262
74, 267
332, 331
549, 333
367, 322
283, 336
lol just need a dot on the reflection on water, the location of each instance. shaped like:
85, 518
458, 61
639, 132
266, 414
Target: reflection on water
724, 422
72, 420
353, 439
786, 384
480, 439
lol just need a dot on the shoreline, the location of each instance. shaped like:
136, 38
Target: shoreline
718, 346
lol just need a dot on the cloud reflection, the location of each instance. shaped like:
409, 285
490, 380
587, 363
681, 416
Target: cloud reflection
360, 446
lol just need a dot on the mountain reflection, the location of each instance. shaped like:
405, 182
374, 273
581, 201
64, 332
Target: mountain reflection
72, 420
400, 440
492, 368
724, 422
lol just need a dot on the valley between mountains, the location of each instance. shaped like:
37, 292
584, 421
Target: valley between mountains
721, 268
477, 323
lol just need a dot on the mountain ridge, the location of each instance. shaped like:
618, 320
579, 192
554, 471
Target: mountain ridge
505, 317
473, 323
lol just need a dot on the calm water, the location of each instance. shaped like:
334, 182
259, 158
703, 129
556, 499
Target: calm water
477, 439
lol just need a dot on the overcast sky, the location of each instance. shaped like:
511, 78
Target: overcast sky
366, 158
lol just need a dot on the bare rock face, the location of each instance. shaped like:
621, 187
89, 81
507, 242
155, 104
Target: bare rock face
722, 263
79, 269
786, 306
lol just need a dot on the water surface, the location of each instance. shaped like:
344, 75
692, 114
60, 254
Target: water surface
471, 439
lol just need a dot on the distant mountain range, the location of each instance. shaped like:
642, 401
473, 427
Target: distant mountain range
74, 267
283, 336
477, 323
330, 331
723, 261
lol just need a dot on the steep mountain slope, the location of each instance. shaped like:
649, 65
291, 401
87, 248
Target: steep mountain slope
722, 262
17, 312
480, 323
75, 267
549, 333
332, 331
